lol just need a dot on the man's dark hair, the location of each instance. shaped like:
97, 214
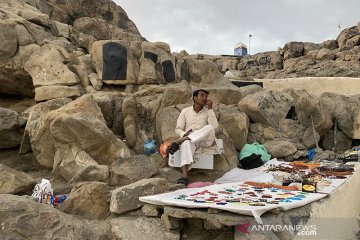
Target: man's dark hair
196, 93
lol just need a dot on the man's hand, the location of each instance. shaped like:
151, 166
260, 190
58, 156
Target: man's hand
209, 104
188, 133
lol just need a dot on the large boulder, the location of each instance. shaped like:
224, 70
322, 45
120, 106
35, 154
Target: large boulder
346, 35
236, 124
280, 148
90, 200
293, 50
126, 198
51, 77
13, 181
115, 62
166, 120
132, 169
10, 131
336, 141
23, 218
267, 107
201, 71
157, 64
311, 111
75, 165
78, 124
176, 94
346, 112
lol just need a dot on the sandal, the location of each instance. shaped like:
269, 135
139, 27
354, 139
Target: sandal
172, 148
183, 180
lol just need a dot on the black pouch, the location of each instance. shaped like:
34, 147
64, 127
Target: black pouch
252, 161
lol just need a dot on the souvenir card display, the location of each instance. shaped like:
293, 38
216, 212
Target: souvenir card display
246, 194
319, 175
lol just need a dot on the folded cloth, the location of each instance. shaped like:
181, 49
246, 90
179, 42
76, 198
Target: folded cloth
199, 184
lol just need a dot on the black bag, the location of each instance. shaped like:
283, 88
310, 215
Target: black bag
252, 161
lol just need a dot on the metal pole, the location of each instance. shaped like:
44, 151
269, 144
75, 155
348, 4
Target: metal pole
249, 42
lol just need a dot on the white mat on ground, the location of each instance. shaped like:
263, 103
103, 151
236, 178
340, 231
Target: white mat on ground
186, 198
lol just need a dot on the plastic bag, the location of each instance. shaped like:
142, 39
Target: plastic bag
149, 147
255, 148
42, 190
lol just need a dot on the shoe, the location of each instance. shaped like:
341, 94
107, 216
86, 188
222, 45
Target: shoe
183, 180
172, 148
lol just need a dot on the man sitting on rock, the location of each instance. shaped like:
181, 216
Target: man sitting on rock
196, 127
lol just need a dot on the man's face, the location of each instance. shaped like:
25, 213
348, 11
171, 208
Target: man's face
201, 98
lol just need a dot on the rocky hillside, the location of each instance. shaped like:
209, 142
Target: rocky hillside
80, 92
331, 58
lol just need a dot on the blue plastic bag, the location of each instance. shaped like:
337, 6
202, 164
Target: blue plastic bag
149, 147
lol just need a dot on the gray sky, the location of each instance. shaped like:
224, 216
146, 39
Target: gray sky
214, 27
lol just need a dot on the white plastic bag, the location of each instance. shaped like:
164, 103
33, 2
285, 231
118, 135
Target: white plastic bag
41, 190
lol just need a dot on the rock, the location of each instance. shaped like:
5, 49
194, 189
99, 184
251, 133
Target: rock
325, 54
176, 95
107, 103
75, 165
166, 120
293, 50
292, 129
95, 27
141, 228
346, 34
10, 131
65, 126
210, 221
345, 111
225, 94
126, 198
68, 129
310, 47
157, 64
68, 11
23, 218
130, 69
236, 124
280, 148
60, 29
150, 210
53, 92
308, 106
250, 89
95, 81
268, 61
14, 79
324, 155
89, 200
47, 68
169, 173
13, 181
170, 222
132, 169
20, 162
8, 43
82, 65
341, 140
159, 160
308, 139
130, 114
267, 107
201, 71
330, 44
